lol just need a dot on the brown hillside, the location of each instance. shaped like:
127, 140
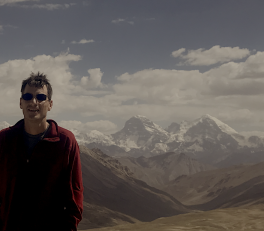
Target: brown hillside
108, 184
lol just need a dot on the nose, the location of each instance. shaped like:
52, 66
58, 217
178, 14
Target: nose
34, 100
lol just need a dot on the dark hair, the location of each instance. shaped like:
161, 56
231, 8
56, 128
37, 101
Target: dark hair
37, 80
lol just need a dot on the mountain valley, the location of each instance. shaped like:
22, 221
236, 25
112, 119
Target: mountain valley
110, 188
159, 170
227, 187
249, 218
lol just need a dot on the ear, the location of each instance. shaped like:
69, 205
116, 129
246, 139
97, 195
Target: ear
20, 103
50, 104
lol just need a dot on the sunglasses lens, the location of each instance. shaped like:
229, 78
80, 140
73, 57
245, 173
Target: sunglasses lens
27, 96
41, 97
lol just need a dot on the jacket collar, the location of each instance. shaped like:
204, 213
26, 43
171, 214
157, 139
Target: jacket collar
52, 135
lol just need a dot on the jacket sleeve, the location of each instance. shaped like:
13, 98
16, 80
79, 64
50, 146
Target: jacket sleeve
74, 192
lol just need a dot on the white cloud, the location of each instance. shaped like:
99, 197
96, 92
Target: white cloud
83, 41
252, 133
214, 55
14, 71
240, 115
11, 26
244, 78
47, 6
6, 26
94, 81
231, 87
119, 20
70, 96
178, 53
104, 126
232, 91
159, 86
10, 2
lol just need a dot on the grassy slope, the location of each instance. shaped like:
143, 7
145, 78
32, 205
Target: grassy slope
235, 219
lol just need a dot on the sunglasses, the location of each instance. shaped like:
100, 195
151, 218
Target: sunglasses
39, 97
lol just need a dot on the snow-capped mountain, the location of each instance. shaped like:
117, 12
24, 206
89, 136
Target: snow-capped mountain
173, 128
206, 139
141, 133
92, 137
212, 141
206, 133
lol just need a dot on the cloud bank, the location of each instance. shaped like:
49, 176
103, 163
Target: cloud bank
122, 20
9, 2
104, 126
47, 6
94, 80
214, 55
231, 91
83, 41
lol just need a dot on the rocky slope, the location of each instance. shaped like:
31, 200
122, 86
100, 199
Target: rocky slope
110, 186
141, 133
159, 170
228, 187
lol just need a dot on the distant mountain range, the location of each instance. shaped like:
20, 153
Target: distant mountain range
206, 139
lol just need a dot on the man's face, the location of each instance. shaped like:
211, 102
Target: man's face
33, 109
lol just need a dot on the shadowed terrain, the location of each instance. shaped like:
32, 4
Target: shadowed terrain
227, 187
112, 195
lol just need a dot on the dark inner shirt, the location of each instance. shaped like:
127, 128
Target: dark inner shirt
32, 140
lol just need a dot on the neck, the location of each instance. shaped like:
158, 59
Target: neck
35, 127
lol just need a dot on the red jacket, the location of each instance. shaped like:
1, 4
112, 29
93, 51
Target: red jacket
45, 191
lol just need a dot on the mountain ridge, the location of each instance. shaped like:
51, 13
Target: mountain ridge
206, 139
158, 171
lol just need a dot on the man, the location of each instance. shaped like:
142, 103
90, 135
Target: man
40, 171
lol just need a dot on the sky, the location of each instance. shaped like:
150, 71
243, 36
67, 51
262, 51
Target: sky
108, 60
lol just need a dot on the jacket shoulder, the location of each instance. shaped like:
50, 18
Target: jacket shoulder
64, 133
3, 132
